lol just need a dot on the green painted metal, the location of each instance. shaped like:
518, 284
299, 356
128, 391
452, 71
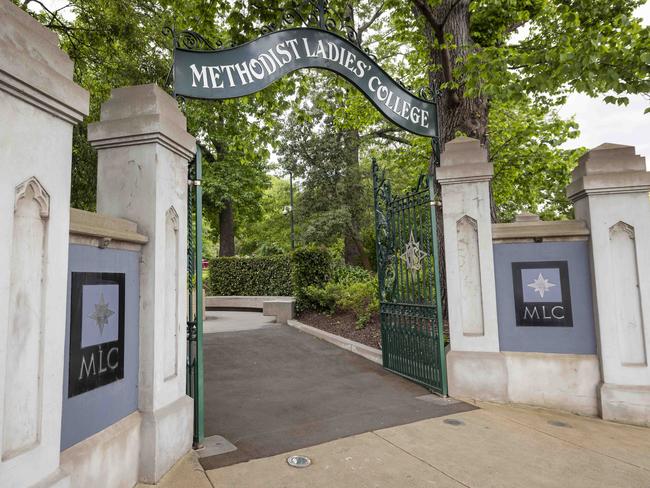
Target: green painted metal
194, 385
408, 262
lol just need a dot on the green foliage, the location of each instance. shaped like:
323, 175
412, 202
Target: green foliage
116, 43
250, 276
531, 170
361, 298
351, 289
273, 226
324, 157
311, 266
273, 275
346, 275
590, 46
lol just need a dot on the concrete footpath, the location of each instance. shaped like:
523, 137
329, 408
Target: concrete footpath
494, 446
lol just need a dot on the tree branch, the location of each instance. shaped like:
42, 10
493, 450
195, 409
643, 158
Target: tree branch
366, 25
424, 8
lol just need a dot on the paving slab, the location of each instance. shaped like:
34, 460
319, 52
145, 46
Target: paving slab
627, 443
276, 389
489, 450
361, 461
497, 446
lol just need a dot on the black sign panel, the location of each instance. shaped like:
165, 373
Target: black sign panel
96, 331
542, 294
246, 69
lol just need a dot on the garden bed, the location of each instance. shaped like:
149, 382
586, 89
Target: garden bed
344, 324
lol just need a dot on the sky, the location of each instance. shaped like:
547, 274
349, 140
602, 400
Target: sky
602, 122
599, 122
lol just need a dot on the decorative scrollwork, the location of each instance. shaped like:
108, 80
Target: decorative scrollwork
386, 257
191, 40
318, 14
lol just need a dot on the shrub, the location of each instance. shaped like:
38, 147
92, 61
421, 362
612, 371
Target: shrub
250, 276
323, 298
351, 289
310, 266
350, 274
360, 298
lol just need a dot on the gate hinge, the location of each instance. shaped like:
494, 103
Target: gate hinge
194, 182
435, 203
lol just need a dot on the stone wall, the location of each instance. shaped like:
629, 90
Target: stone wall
591, 360
39, 103
143, 151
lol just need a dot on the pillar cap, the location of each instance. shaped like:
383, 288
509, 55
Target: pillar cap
464, 160
609, 169
609, 158
142, 114
33, 68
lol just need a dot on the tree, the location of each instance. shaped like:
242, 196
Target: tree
271, 232
333, 199
531, 171
119, 43
590, 46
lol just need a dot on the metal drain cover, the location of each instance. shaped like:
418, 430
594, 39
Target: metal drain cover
453, 422
298, 461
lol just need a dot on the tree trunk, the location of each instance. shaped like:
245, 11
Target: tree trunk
354, 252
226, 230
456, 113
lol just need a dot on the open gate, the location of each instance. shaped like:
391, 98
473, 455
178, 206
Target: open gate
410, 293
194, 383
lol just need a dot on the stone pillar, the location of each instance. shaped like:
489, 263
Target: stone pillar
610, 192
464, 176
143, 151
39, 104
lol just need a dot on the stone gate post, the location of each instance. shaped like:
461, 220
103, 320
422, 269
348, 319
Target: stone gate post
39, 104
143, 151
464, 176
610, 192
475, 369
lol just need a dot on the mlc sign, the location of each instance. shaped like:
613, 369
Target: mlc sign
246, 69
96, 331
542, 294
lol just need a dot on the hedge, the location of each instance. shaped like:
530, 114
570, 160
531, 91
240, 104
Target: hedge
282, 275
251, 276
311, 266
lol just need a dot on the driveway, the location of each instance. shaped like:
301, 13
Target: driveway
271, 389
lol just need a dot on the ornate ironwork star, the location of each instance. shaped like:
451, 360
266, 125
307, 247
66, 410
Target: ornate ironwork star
413, 255
101, 314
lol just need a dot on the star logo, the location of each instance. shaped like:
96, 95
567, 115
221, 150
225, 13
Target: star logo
541, 285
101, 314
413, 255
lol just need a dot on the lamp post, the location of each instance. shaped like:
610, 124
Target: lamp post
293, 243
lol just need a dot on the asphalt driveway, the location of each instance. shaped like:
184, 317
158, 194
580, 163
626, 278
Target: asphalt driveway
271, 389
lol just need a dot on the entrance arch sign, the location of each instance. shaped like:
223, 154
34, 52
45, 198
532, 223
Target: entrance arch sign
310, 35
251, 67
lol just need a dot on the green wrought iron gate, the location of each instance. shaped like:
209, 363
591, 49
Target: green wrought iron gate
409, 282
194, 385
